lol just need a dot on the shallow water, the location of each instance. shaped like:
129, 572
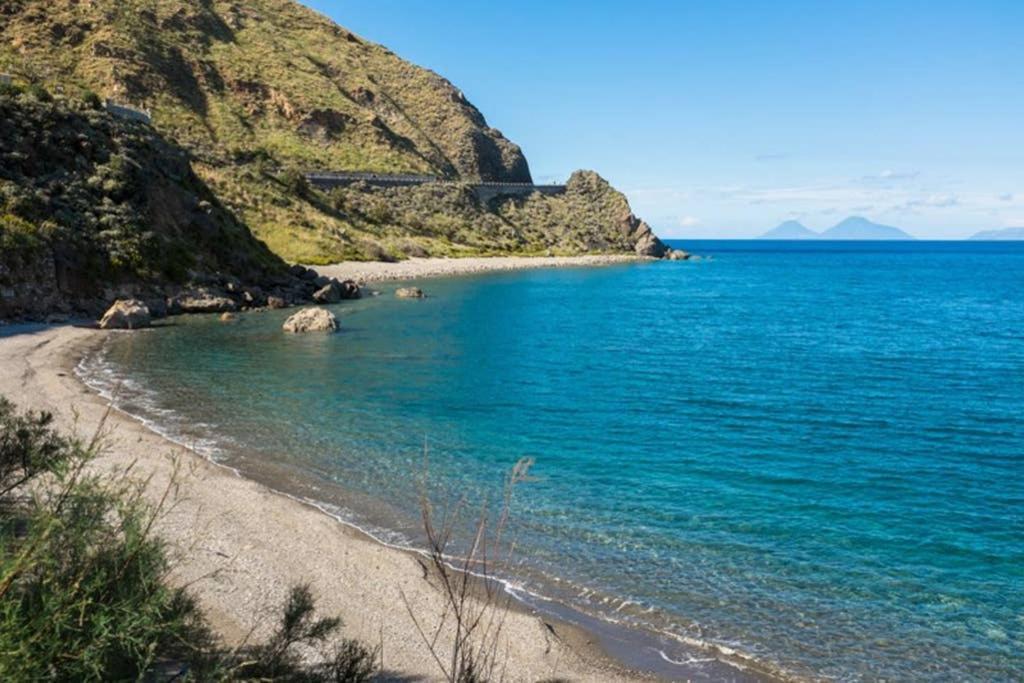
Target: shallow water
812, 453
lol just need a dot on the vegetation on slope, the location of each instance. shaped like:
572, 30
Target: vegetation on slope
90, 203
262, 90
590, 217
84, 594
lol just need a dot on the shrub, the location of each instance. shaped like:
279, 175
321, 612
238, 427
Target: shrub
82, 595
83, 590
10, 90
39, 92
92, 100
280, 657
295, 183
28, 447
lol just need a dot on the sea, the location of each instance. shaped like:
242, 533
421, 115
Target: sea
805, 458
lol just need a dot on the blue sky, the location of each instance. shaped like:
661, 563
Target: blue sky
722, 118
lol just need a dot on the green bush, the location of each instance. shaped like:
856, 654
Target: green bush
10, 90
83, 590
296, 184
39, 92
92, 100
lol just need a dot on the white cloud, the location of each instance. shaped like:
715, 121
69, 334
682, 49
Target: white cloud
1007, 197
688, 221
888, 177
939, 201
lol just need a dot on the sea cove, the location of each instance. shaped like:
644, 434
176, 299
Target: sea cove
808, 453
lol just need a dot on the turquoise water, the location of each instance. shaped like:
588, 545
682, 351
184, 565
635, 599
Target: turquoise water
811, 453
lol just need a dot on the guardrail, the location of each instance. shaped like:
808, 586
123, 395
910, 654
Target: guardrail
484, 190
126, 112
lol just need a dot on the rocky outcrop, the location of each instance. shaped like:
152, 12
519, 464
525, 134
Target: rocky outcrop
410, 293
126, 314
647, 243
94, 209
201, 301
335, 291
311, 320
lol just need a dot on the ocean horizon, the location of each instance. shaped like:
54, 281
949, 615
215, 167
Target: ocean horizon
805, 452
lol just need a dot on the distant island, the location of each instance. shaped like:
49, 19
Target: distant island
853, 228
1004, 235
790, 230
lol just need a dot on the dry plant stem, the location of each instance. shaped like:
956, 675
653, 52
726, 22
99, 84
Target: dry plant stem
475, 617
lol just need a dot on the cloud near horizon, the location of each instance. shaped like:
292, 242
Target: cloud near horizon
749, 210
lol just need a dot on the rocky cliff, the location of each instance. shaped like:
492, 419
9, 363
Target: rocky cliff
262, 90
93, 208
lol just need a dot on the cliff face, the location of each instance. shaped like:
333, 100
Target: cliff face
260, 91
92, 206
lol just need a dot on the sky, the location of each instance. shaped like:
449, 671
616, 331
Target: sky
723, 118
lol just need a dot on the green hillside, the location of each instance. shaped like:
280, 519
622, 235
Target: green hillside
93, 207
262, 90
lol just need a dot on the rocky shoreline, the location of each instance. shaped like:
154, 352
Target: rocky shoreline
299, 285
228, 295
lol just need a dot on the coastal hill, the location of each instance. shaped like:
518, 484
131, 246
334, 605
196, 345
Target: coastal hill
262, 92
853, 228
1004, 235
94, 207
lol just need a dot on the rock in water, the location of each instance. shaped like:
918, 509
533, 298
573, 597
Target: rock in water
228, 317
126, 314
311, 320
677, 255
276, 302
410, 293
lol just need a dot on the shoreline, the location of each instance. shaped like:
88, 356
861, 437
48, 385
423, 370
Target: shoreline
545, 638
424, 268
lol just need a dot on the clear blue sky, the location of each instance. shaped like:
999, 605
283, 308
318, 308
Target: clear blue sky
722, 118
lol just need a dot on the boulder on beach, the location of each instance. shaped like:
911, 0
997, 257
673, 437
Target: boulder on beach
126, 314
410, 293
202, 301
335, 291
311, 320
276, 302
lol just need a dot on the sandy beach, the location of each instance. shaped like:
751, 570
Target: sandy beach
240, 545
416, 268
